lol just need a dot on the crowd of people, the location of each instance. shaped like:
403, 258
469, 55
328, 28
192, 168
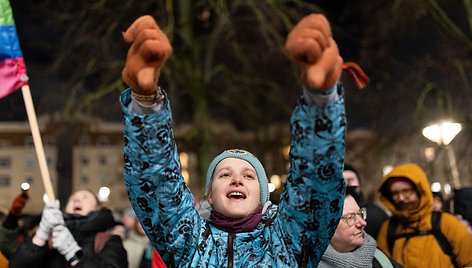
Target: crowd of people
322, 219
84, 232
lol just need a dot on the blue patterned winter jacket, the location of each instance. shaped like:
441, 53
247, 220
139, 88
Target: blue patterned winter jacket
293, 234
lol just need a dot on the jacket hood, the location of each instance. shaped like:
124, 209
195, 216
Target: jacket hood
418, 177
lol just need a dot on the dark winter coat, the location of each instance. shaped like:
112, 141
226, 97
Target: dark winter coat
84, 229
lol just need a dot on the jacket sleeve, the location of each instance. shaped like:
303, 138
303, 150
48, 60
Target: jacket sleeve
311, 203
459, 238
29, 255
162, 202
8, 240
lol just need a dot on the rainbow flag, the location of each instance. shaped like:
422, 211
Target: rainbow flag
12, 66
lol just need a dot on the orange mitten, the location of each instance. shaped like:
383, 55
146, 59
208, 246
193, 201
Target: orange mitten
149, 50
311, 45
19, 204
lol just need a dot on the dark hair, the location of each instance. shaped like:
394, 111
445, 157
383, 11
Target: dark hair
355, 192
351, 168
439, 195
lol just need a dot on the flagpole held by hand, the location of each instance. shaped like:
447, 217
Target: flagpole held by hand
38, 144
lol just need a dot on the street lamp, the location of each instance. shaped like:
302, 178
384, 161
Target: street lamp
443, 133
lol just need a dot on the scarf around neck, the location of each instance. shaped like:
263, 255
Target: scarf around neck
361, 257
229, 225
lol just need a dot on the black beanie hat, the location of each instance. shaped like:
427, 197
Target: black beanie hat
351, 168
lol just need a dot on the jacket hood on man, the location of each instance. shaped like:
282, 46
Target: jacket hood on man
418, 177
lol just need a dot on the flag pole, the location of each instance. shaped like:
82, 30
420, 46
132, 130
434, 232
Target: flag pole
25, 89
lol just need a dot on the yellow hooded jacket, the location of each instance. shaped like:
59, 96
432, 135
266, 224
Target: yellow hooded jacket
3, 261
422, 251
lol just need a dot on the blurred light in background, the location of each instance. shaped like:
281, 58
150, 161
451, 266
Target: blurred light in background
442, 133
275, 180
25, 186
103, 194
436, 187
184, 165
447, 188
429, 154
271, 187
387, 169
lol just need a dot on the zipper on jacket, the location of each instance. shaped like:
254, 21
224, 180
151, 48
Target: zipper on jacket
230, 250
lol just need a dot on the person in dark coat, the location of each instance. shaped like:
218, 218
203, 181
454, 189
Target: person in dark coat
462, 206
375, 214
10, 229
77, 238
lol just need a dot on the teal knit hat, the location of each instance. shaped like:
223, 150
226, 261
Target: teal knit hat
251, 159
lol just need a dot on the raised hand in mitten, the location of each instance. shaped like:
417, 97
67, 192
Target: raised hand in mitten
311, 45
50, 217
64, 242
19, 204
149, 50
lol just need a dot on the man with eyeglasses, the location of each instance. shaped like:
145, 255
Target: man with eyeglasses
405, 191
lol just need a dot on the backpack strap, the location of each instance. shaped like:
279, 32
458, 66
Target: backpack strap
384, 261
442, 240
392, 233
436, 231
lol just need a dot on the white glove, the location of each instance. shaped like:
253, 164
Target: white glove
64, 242
50, 217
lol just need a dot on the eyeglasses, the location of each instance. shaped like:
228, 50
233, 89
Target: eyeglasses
351, 219
407, 193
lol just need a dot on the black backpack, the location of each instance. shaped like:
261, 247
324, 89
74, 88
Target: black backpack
436, 231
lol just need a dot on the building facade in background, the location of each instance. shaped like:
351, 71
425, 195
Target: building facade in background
97, 158
97, 161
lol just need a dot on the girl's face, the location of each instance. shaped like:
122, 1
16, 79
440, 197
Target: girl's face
81, 202
348, 237
235, 190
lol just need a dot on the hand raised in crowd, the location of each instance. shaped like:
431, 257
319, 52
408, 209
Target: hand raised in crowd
50, 217
64, 242
311, 45
19, 204
149, 50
